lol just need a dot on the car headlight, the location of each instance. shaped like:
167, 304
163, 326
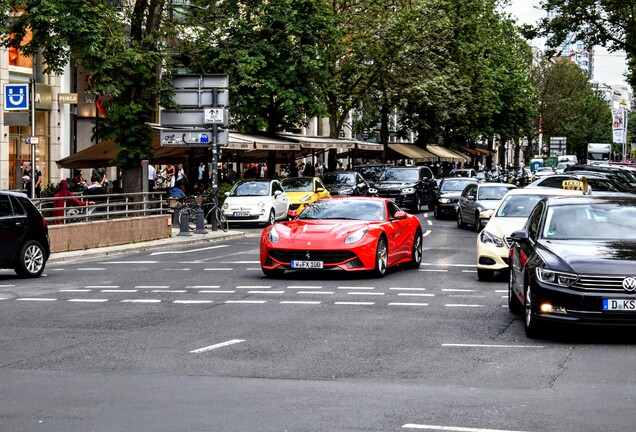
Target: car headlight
356, 236
305, 198
556, 278
406, 191
261, 206
487, 237
272, 235
444, 201
346, 191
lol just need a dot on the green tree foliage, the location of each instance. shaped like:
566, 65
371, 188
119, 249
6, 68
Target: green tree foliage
610, 23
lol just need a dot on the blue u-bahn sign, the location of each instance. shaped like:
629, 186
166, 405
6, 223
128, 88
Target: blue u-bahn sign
16, 97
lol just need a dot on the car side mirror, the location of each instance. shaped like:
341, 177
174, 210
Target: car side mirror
320, 190
520, 236
399, 215
227, 194
361, 184
277, 193
471, 197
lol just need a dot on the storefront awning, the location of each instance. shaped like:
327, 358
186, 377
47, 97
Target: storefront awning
414, 152
318, 142
472, 151
95, 156
484, 151
465, 158
444, 154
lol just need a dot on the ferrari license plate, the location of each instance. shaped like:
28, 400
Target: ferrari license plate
241, 213
306, 264
619, 305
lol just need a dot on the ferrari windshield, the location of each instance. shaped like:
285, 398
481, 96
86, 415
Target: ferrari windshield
595, 221
298, 184
251, 188
399, 174
346, 209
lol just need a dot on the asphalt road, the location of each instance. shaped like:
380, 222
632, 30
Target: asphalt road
194, 338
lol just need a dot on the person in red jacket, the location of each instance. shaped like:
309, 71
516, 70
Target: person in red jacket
61, 204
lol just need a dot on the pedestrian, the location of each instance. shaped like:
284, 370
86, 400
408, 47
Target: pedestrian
181, 175
231, 174
169, 172
585, 186
70, 201
152, 173
201, 171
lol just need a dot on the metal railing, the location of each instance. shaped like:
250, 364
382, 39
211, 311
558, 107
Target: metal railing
106, 206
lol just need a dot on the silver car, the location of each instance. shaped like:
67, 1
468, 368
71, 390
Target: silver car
478, 201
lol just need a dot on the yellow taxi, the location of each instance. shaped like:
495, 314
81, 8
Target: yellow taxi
302, 191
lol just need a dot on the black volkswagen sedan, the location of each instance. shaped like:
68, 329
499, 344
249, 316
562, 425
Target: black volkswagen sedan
24, 235
575, 262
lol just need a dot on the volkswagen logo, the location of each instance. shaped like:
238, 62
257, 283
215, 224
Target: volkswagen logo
629, 283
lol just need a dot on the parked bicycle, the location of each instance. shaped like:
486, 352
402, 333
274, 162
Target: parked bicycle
190, 208
221, 220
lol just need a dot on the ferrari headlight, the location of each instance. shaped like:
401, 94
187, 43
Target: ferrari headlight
356, 236
305, 198
556, 278
407, 191
487, 237
444, 200
272, 235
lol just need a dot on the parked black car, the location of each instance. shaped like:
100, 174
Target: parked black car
24, 235
349, 183
450, 189
410, 187
575, 262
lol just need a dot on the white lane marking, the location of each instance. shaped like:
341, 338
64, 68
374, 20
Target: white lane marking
300, 302
355, 288
246, 301
433, 270
365, 293
504, 296
152, 286
457, 290
219, 269
215, 292
490, 345
407, 289
408, 304
253, 269
355, 303
203, 286
429, 222
426, 233
91, 269
463, 305
266, 292
448, 265
253, 286
119, 290
36, 299
415, 295
101, 286
501, 291
192, 301
128, 262
219, 345
304, 287
88, 300
452, 428
176, 269
469, 271
468, 295
4, 298
314, 292
188, 251
168, 291
141, 301
242, 262
75, 290
6, 286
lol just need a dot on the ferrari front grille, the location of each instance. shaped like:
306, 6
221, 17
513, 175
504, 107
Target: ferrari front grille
327, 257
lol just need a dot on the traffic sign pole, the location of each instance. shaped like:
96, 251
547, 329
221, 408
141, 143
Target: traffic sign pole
33, 168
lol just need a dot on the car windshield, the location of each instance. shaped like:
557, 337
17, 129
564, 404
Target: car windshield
370, 172
492, 192
600, 221
396, 174
345, 209
250, 189
517, 206
339, 179
453, 185
298, 184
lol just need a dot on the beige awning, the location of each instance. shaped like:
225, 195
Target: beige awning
444, 154
318, 142
360, 145
414, 152
465, 158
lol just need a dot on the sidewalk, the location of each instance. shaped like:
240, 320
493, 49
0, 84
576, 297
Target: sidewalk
176, 239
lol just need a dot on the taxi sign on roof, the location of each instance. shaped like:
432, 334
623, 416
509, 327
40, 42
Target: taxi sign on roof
572, 184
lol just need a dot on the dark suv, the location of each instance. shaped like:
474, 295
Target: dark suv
24, 235
409, 187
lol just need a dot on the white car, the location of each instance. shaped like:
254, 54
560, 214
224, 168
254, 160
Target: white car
256, 201
493, 243
543, 172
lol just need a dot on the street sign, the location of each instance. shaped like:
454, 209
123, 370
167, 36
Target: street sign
192, 137
16, 97
192, 99
34, 140
194, 117
209, 81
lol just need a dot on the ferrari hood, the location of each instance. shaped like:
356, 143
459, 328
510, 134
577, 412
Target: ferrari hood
325, 230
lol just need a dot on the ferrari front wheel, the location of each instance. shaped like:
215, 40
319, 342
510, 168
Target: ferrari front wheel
381, 257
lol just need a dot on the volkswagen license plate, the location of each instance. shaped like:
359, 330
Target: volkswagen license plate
296, 264
619, 305
241, 213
